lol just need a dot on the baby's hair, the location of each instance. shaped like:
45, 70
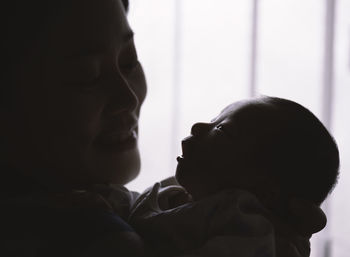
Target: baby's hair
300, 152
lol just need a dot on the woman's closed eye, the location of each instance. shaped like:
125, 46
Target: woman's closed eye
83, 73
86, 81
128, 60
129, 66
92, 82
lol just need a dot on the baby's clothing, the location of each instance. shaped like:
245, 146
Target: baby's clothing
235, 216
35, 222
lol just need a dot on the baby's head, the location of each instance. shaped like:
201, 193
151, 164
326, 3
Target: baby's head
272, 147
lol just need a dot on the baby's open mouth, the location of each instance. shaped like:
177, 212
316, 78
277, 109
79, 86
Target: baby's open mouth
186, 145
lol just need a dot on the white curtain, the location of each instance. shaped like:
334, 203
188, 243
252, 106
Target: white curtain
200, 55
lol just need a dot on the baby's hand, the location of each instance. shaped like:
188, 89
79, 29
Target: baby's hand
159, 198
231, 213
307, 217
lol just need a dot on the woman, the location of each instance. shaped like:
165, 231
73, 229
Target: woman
72, 88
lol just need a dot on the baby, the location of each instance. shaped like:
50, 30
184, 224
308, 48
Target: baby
273, 149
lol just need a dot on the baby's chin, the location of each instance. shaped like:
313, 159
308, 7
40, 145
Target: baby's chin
187, 172
194, 185
179, 176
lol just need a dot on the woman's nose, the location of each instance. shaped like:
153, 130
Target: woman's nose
200, 128
122, 96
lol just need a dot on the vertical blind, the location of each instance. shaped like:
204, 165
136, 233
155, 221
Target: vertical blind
200, 55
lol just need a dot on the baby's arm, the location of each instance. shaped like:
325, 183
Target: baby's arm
211, 223
192, 226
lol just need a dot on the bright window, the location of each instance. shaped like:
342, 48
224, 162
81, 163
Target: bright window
200, 55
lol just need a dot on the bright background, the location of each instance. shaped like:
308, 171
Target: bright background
200, 55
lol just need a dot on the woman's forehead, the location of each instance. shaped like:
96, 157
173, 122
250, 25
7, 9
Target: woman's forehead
92, 25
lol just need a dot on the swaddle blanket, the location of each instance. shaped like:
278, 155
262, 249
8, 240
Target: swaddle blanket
230, 223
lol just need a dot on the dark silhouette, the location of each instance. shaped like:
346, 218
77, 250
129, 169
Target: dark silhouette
271, 146
241, 173
71, 95
71, 92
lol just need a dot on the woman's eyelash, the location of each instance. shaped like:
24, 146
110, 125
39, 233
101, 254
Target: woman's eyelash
131, 66
87, 84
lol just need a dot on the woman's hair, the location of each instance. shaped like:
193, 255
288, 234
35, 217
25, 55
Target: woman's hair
126, 4
24, 24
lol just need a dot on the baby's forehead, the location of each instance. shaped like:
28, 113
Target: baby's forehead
247, 118
240, 110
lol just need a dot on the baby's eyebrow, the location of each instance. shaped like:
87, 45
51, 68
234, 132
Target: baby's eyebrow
215, 119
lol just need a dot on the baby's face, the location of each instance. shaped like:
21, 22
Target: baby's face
217, 154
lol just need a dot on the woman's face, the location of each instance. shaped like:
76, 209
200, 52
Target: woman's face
75, 121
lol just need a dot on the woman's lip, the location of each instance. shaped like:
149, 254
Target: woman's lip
119, 128
117, 141
115, 137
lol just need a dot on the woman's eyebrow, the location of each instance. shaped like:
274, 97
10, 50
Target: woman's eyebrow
98, 49
87, 52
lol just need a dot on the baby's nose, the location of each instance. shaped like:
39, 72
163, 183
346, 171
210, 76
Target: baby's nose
199, 128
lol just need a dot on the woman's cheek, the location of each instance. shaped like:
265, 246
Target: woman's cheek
75, 115
138, 83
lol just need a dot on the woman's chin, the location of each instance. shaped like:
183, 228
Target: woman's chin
128, 177
127, 171
112, 168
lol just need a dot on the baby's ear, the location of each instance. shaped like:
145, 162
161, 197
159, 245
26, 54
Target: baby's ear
269, 193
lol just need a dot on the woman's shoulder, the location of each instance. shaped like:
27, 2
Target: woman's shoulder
38, 222
65, 224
